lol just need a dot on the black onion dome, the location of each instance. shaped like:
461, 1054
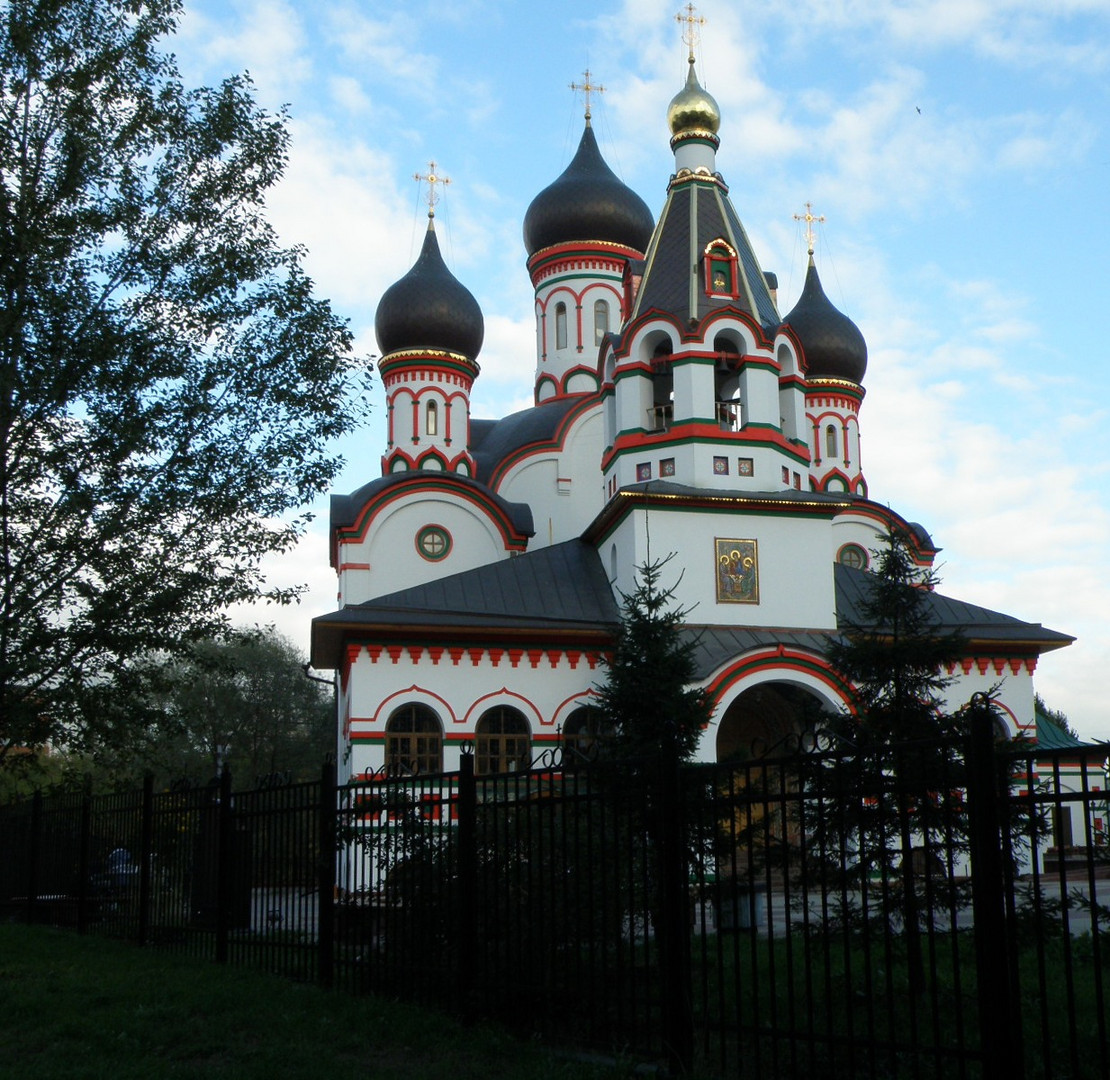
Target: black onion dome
429, 308
833, 345
588, 202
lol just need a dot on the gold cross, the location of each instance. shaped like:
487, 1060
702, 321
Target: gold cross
587, 88
809, 219
431, 179
690, 33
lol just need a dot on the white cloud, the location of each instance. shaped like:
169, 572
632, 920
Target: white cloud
265, 37
348, 94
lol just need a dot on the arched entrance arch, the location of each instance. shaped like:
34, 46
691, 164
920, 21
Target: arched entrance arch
768, 717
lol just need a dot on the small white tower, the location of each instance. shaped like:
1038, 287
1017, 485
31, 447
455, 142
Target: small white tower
834, 354
430, 330
580, 233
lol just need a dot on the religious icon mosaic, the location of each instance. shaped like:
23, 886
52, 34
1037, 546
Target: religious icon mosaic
737, 571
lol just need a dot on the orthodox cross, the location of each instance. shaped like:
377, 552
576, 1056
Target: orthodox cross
587, 88
809, 219
690, 34
431, 179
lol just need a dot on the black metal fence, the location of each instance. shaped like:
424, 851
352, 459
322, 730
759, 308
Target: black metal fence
932, 910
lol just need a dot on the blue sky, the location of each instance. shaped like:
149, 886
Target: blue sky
958, 149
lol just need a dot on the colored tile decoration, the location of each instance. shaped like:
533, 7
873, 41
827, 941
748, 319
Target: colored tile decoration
720, 466
666, 467
643, 470
745, 466
737, 571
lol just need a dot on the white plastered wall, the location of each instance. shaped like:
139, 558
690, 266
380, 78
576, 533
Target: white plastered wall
387, 559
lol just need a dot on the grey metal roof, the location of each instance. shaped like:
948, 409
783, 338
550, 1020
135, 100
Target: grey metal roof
978, 624
556, 590
835, 500
345, 509
717, 645
497, 440
696, 213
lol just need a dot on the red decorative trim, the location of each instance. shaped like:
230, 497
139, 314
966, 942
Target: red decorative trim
556, 442
475, 656
495, 656
435, 652
375, 651
779, 658
394, 652
534, 656
415, 653
456, 654
423, 483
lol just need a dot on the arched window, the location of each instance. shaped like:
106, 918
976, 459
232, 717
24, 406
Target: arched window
727, 382
431, 419
502, 742
830, 441
413, 741
601, 320
662, 388
583, 735
720, 268
560, 325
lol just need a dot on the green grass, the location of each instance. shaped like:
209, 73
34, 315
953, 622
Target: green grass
87, 1008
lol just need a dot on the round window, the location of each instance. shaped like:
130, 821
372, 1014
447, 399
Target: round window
853, 555
433, 542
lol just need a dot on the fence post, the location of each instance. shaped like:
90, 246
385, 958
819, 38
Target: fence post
35, 842
467, 840
146, 843
325, 880
84, 858
675, 990
999, 1036
224, 867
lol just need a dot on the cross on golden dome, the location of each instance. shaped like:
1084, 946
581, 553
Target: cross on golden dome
809, 218
431, 178
690, 34
587, 88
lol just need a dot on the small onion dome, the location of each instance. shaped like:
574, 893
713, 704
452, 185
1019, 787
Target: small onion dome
587, 202
693, 110
833, 345
429, 308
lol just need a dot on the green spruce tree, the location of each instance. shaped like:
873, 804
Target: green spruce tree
649, 700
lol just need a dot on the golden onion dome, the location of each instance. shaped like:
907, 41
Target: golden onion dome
693, 109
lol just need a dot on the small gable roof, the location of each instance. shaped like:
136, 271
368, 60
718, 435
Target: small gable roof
555, 592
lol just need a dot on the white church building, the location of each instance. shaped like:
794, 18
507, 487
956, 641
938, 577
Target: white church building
676, 410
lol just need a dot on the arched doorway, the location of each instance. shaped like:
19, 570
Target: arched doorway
767, 719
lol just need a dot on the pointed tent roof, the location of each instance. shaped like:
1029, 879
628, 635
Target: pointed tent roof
697, 212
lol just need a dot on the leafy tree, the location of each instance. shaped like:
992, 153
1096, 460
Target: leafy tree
169, 384
244, 704
649, 700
